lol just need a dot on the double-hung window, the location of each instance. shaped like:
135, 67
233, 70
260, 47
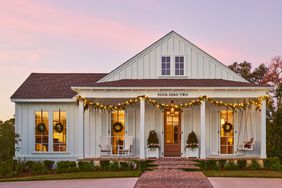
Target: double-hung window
179, 65
165, 65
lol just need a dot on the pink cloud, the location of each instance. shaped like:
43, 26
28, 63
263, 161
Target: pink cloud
36, 17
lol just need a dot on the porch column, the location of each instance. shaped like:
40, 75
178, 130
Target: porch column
203, 130
80, 130
142, 128
263, 130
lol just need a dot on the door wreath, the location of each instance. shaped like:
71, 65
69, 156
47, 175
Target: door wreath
227, 127
117, 127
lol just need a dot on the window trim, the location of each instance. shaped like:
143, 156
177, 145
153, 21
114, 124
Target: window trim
170, 67
50, 134
183, 65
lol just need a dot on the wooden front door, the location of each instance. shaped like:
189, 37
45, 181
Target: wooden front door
172, 134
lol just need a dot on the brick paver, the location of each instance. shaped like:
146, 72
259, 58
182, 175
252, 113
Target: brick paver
169, 174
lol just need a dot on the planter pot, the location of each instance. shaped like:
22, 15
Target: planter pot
152, 152
192, 152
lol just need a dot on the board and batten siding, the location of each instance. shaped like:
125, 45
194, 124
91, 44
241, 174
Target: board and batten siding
25, 127
197, 63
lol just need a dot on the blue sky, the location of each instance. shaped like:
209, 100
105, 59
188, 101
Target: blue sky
97, 36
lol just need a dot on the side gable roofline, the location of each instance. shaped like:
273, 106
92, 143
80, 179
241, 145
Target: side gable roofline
159, 41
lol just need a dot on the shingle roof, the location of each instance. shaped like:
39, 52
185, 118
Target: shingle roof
53, 85
58, 85
175, 83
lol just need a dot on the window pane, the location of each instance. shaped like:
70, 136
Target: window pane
163, 59
181, 59
41, 131
181, 65
177, 59
176, 65
168, 59
181, 72
59, 131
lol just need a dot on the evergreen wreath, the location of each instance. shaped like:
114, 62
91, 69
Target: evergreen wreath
227, 127
117, 127
41, 127
59, 127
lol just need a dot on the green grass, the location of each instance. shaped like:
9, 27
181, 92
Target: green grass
76, 175
244, 173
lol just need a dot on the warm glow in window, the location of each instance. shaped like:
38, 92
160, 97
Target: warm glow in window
59, 131
41, 131
226, 132
118, 129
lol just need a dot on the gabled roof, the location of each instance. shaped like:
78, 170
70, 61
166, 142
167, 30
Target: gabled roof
167, 83
53, 85
122, 68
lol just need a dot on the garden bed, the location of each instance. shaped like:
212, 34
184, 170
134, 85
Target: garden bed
243, 173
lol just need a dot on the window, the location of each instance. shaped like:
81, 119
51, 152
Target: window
226, 132
166, 65
41, 131
179, 65
118, 129
59, 131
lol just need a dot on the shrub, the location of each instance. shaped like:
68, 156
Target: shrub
254, 165
28, 165
104, 164
242, 164
153, 141
19, 167
66, 166
272, 163
48, 164
221, 163
202, 164
86, 166
124, 165
114, 166
39, 168
4, 169
192, 141
212, 165
230, 165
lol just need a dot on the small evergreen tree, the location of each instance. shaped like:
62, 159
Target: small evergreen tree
192, 141
153, 141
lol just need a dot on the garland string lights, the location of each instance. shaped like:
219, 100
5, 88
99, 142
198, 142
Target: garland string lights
121, 106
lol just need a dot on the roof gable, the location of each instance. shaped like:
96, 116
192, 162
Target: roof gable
147, 65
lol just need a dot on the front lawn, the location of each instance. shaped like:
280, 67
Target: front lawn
77, 175
243, 173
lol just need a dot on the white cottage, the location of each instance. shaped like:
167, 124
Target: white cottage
184, 89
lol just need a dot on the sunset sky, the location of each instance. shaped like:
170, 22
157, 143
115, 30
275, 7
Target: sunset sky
97, 36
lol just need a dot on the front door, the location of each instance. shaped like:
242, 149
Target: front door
172, 134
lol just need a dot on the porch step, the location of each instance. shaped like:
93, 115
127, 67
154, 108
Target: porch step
175, 163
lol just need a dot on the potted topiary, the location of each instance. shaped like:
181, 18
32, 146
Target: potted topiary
192, 147
153, 145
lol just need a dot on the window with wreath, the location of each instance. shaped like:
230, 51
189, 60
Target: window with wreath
41, 131
59, 131
118, 129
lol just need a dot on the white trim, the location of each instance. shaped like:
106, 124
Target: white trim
44, 100
78, 88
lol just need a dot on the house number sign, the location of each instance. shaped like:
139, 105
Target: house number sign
173, 94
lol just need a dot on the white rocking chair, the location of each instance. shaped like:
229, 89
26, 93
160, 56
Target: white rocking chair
247, 145
105, 147
127, 148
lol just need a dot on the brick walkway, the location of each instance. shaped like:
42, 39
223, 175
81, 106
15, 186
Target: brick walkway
169, 174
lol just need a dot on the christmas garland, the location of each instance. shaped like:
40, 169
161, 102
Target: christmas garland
227, 127
117, 127
41, 127
59, 127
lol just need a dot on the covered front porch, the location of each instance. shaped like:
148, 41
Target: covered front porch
204, 116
